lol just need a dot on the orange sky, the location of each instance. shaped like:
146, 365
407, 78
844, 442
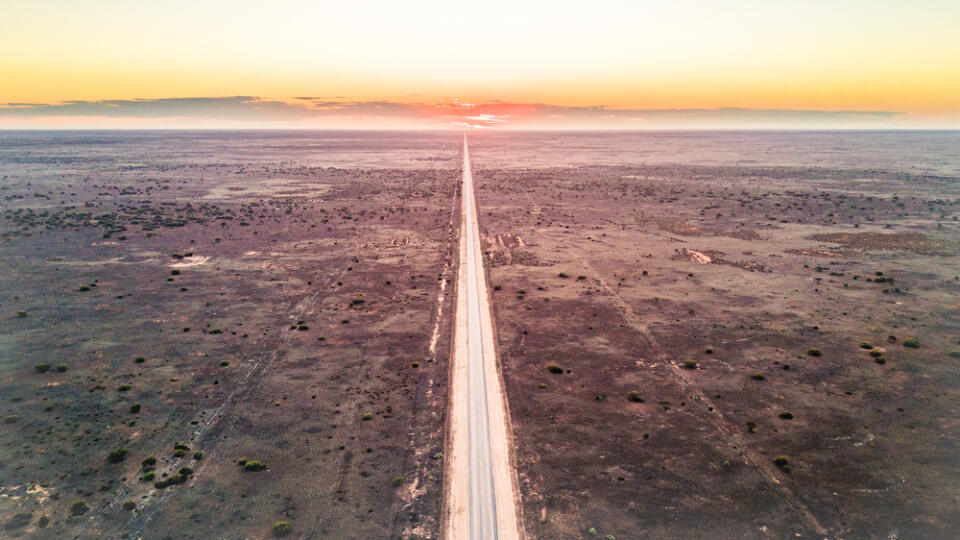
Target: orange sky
632, 57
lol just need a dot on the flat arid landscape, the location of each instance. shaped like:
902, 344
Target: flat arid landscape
699, 334
422, 270
204, 334
728, 335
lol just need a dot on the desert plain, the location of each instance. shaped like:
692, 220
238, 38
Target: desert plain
700, 334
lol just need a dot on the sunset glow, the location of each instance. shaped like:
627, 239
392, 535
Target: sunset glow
570, 61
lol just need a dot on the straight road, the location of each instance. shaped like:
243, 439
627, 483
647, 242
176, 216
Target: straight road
481, 503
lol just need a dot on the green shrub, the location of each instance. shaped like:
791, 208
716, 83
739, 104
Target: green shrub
148, 476
149, 461
281, 528
866, 345
751, 427
135, 408
180, 446
198, 455
171, 480
880, 360
813, 351
690, 364
129, 505
84, 288
397, 481
954, 353
117, 455
786, 415
876, 354
124, 388
215, 331
41, 368
11, 419
911, 343
224, 363
186, 471
366, 416
253, 466
139, 359
179, 452
552, 368
79, 508
758, 376
563, 275
22, 314
415, 364
782, 462
634, 396
61, 368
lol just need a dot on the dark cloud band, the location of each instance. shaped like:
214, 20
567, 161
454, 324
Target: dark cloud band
489, 114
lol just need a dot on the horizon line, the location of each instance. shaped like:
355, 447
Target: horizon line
461, 129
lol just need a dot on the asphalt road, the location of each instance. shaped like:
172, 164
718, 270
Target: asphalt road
481, 502
483, 508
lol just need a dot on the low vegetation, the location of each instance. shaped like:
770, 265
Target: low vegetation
117, 455
281, 528
172, 480
78, 508
251, 466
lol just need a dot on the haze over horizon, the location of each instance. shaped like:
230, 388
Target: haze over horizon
612, 65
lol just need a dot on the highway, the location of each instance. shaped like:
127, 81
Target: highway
480, 490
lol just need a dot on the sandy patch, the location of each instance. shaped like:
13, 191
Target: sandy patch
195, 260
267, 187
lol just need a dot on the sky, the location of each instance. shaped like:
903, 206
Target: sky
494, 64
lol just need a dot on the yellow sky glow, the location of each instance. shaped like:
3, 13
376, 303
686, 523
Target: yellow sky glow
852, 55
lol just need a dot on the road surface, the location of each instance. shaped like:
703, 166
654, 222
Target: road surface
481, 503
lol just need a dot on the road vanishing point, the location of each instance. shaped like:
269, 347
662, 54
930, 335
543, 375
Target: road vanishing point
481, 501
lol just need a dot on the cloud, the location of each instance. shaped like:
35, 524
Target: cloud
243, 107
488, 118
322, 111
706, 116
